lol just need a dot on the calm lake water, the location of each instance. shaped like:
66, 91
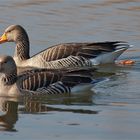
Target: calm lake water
111, 111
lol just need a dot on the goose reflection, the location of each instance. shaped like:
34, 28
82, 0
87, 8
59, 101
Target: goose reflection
8, 113
33, 105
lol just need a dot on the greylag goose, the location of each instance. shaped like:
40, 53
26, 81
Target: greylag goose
43, 81
61, 55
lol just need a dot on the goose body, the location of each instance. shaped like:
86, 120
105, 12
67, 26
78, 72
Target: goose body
68, 62
41, 81
62, 55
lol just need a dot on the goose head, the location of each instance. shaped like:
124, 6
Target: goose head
7, 65
14, 33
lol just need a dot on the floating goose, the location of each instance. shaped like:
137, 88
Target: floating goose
62, 55
43, 81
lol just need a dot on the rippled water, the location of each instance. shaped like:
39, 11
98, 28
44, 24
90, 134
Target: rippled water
112, 109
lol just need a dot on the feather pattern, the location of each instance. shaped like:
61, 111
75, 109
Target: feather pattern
87, 50
68, 62
9, 79
53, 81
37, 78
46, 58
55, 89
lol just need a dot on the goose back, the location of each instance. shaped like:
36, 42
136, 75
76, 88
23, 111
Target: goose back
87, 50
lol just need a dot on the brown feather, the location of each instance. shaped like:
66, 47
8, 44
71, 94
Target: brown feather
37, 78
88, 50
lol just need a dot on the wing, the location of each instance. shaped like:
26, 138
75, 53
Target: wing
92, 50
57, 88
39, 78
76, 76
69, 62
87, 50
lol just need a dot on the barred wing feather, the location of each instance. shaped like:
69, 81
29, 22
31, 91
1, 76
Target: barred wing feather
87, 50
35, 79
39, 78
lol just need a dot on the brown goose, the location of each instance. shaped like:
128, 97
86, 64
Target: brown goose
43, 81
62, 55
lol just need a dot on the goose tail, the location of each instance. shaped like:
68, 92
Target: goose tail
110, 57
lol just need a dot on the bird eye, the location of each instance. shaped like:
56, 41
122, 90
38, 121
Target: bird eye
8, 31
5, 62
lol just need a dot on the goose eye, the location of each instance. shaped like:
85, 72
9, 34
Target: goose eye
5, 62
9, 31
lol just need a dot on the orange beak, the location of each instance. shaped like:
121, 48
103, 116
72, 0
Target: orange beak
3, 38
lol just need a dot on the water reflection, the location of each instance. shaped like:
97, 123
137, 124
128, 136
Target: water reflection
11, 107
8, 109
47, 104
35, 106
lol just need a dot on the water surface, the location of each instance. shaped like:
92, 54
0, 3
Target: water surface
112, 109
